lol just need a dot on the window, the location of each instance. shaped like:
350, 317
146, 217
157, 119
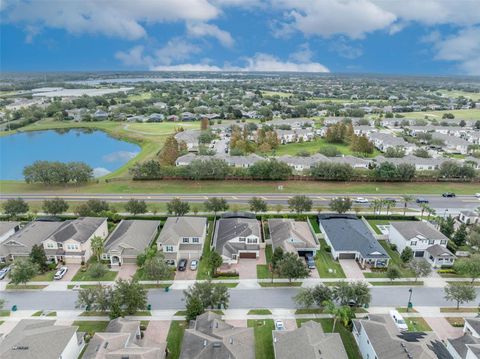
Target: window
105, 256
431, 241
72, 247
185, 240
241, 239
168, 248
50, 245
413, 243
195, 240
443, 241
252, 240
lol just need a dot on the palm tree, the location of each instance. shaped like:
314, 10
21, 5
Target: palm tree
407, 198
389, 204
344, 313
430, 211
424, 207
97, 246
376, 205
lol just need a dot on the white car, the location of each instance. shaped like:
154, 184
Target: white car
194, 265
477, 195
360, 200
60, 273
398, 320
279, 325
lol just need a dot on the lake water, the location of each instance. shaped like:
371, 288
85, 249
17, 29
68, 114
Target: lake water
96, 148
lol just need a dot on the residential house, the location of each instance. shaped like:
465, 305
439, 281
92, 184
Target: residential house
235, 161
377, 337
100, 115
420, 163
190, 138
292, 122
353, 161
182, 238
7, 229
364, 129
384, 141
423, 239
19, 245
122, 339
472, 161
469, 217
41, 339
156, 117
129, 239
468, 345
70, 243
299, 163
452, 144
350, 238
209, 337
308, 342
237, 237
188, 116
293, 236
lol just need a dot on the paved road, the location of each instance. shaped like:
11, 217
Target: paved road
239, 298
440, 204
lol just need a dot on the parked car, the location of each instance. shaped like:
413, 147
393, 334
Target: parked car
422, 200
194, 265
477, 195
398, 320
391, 200
360, 200
310, 261
448, 194
182, 265
4, 272
279, 325
60, 273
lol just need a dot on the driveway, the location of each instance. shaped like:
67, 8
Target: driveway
351, 269
241, 323
443, 329
72, 270
157, 331
126, 271
187, 274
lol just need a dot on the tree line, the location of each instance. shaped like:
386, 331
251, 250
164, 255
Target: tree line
54, 172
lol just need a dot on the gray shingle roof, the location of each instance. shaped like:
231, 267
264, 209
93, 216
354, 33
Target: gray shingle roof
6, 226
438, 251
474, 323
290, 234
460, 344
177, 227
412, 229
132, 234
80, 229
231, 228
347, 233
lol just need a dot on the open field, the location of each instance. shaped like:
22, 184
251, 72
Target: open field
313, 147
475, 96
471, 114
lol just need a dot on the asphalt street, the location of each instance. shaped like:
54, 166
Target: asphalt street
239, 298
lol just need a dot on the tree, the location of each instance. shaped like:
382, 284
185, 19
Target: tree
447, 226
215, 260
460, 293
332, 171
292, 266
304, 298
38, 257
214, 204
169, 152
103, 295
300, 203
86, 298
23, 270
393, 272
420, 267
322, 293
257, 205
277, 256
135, 206
177, 207
460, 236
156, 268
361, 144
194, 308
269, 170
407, 255
15, 206
406, 200
344, 313
97, 270
210, 295
132, 296
55, 206
356, 293
340, 204
469, 266
91, 208
96, 244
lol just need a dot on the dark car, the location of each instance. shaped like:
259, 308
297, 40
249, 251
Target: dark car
422, 200
391, 200
448, 194
310, 261
182, 265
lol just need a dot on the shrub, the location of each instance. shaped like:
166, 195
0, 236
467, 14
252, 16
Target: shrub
447, 271
226, 274
328, 249
97, 270
393, 246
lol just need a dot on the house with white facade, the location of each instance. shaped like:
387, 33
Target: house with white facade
189, 138
424, 240
384, 141
420, 163
452, 144
468, 345
182, 238
469, 217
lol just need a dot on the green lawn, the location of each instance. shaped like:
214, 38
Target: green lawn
24, 287
141, 275
4, 313
314, 146
175, 338
394, 260
375, 222
259, 312
263, 270
40, 312
314, 222
459, 310
324, 261
471, 114
91, 327
44, 277
80, 276
263, 338
280, 284
347, 337
417, 324
203, 271
397, 282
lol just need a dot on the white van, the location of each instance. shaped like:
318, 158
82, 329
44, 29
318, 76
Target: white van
398, 320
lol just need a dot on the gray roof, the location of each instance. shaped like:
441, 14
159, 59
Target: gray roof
135, 235
36, 339
438, 251
474, 323
451, 140
468, 213
188, 136
231, 160
389, 139
80, 229
176, 228
347, 233
413, 160
291, 235
209, 337
460, 344
308, 342
419, 229
6, 226
230, 228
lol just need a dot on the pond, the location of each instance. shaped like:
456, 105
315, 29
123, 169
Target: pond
96, 148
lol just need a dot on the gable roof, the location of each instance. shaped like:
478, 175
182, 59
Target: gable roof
347, 233
6, 226
132, 234
438, 251
412, 229
231, 228
308, 342
290, 234
36, 339
80, 229
176, 228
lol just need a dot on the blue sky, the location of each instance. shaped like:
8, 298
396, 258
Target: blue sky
375, 36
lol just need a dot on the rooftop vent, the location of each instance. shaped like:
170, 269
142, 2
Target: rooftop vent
20, 347
217, 345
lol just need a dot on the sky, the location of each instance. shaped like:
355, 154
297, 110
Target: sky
432, 37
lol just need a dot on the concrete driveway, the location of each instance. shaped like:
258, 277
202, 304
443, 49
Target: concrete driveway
72, 270
126, 271
443, 329
351, 269
187, 274
157, 331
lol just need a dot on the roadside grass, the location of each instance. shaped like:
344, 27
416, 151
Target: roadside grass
397, 282
228, 285
25, 287
91, 326
155, 286
457, 322
263, 337
459, 310
325, 262
4, 313
85, 276
404, 310
141, 275
259, 312
322, 311
82, 286
466, 282
395, 260
280, 284
203, 271
175, 338
181, 313
40, 312
43, 277
470, 114
417, 324
93, 313
347, 337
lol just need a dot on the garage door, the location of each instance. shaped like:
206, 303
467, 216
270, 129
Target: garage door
248, 255
346, 256
305, 253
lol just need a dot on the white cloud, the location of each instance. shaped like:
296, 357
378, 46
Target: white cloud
203, 29
346, 50
134, 57
186, 67
303, 54
266, 62
119, 18
175, 50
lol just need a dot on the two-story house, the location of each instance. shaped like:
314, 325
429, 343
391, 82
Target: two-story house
425, 241
71, 243
466, 346
182, 238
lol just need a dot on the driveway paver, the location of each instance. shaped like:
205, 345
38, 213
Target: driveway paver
241, 323
351, 269
443, 329
157, 331
72, 270
187, 274
126, 271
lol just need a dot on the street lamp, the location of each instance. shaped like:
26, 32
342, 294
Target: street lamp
410, 299
445, 213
